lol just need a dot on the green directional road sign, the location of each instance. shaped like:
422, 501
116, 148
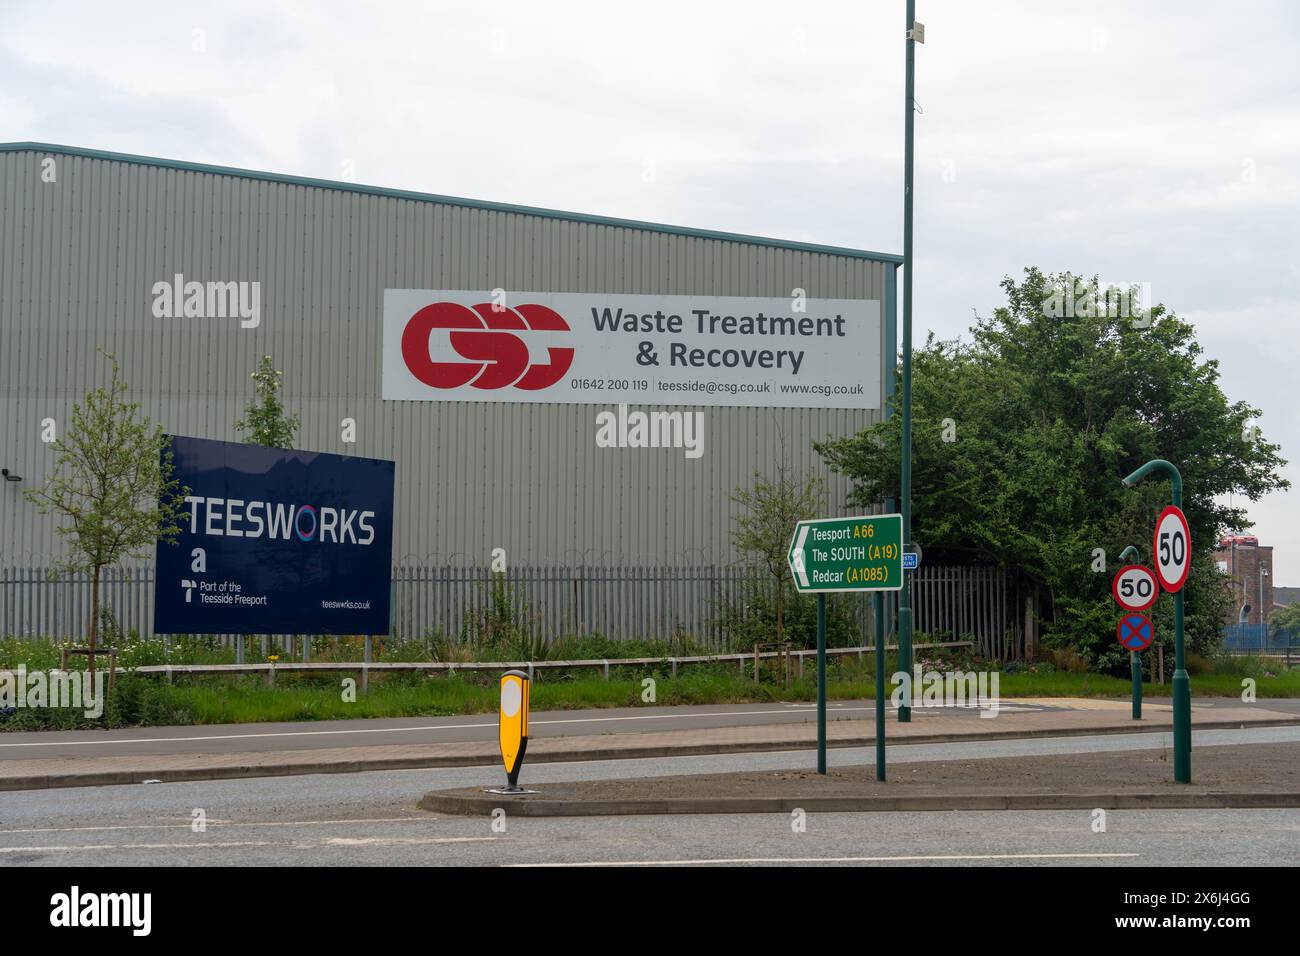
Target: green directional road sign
863, 553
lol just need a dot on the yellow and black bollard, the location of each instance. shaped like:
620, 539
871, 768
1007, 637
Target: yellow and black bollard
513, 729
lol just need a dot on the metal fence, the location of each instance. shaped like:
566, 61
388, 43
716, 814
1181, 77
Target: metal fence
1246, 638
979, 604
655, 602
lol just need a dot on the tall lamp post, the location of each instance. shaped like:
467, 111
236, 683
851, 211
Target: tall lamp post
915, 35
1182, 683
1261, 573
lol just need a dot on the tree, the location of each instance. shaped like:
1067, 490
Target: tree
766, 525
1021, 436
1284, 624
264, 418
113, 482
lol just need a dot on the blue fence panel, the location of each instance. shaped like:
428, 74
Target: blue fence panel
1255, 637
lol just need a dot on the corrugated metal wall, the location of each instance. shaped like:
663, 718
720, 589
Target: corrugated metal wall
79, 256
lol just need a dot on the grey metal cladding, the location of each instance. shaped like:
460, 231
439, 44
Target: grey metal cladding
79, 257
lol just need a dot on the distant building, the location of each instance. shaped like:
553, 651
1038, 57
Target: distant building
1248, 567
1284, 597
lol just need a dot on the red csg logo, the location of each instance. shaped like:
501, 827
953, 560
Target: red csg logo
495, 356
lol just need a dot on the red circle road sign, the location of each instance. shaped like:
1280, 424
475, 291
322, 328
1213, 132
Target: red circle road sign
1135, 632
1172, 549
1134, 587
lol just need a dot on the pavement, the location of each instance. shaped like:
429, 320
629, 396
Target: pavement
1235, 774
90, 758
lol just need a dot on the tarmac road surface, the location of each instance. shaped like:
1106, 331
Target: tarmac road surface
370, 819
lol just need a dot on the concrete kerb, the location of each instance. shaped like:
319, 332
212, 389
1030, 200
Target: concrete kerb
463, 804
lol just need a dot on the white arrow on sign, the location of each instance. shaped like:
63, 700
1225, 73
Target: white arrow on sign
800, 568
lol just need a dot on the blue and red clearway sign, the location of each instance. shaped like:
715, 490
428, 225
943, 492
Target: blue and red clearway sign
1135, 632
276, 541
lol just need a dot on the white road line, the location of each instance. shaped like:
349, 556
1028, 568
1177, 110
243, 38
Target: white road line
487, 723
843, 859
401, 841
217, 824
396, 730
293, 845
132, 846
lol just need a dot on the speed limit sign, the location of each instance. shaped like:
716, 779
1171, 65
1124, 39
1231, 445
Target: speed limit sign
1173, 548
1134, 587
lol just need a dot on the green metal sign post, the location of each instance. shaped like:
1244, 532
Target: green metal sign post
1181, 558
880, 685
1134, 662
821, 683
915, 34
861, 553
1135, 666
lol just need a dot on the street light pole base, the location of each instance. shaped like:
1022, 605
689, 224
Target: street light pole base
1182, 727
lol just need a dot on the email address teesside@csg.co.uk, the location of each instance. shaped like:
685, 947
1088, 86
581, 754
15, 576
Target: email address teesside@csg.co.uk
740, 388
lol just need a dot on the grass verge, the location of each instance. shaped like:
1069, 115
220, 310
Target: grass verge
141, 700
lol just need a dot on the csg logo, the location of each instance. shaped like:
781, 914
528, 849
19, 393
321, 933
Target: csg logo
496, 357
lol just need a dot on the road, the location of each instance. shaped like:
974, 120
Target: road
246, 738
370, 819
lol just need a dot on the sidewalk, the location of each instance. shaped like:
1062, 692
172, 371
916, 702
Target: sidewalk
1239, 776
1085, 716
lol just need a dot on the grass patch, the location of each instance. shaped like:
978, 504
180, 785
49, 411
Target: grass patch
142, 700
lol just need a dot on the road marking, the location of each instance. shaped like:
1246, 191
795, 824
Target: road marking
487, 724
133, 846
402, 841
207, 845
219, 823
845, 859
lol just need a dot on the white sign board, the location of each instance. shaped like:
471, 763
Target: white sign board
635, 349
1134, 587
1172, 548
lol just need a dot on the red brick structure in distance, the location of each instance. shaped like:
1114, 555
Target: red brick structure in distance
1248, 570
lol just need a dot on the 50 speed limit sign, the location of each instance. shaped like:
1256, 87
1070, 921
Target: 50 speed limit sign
1134, 587
1173, 548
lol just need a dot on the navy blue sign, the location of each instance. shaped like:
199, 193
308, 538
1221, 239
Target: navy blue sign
276, 541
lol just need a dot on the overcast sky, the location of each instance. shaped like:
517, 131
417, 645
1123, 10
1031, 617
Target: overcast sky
1153, 141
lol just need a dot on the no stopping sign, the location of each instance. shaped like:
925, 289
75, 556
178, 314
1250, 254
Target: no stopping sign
1135, 632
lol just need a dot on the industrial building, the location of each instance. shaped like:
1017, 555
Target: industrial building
189, 273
